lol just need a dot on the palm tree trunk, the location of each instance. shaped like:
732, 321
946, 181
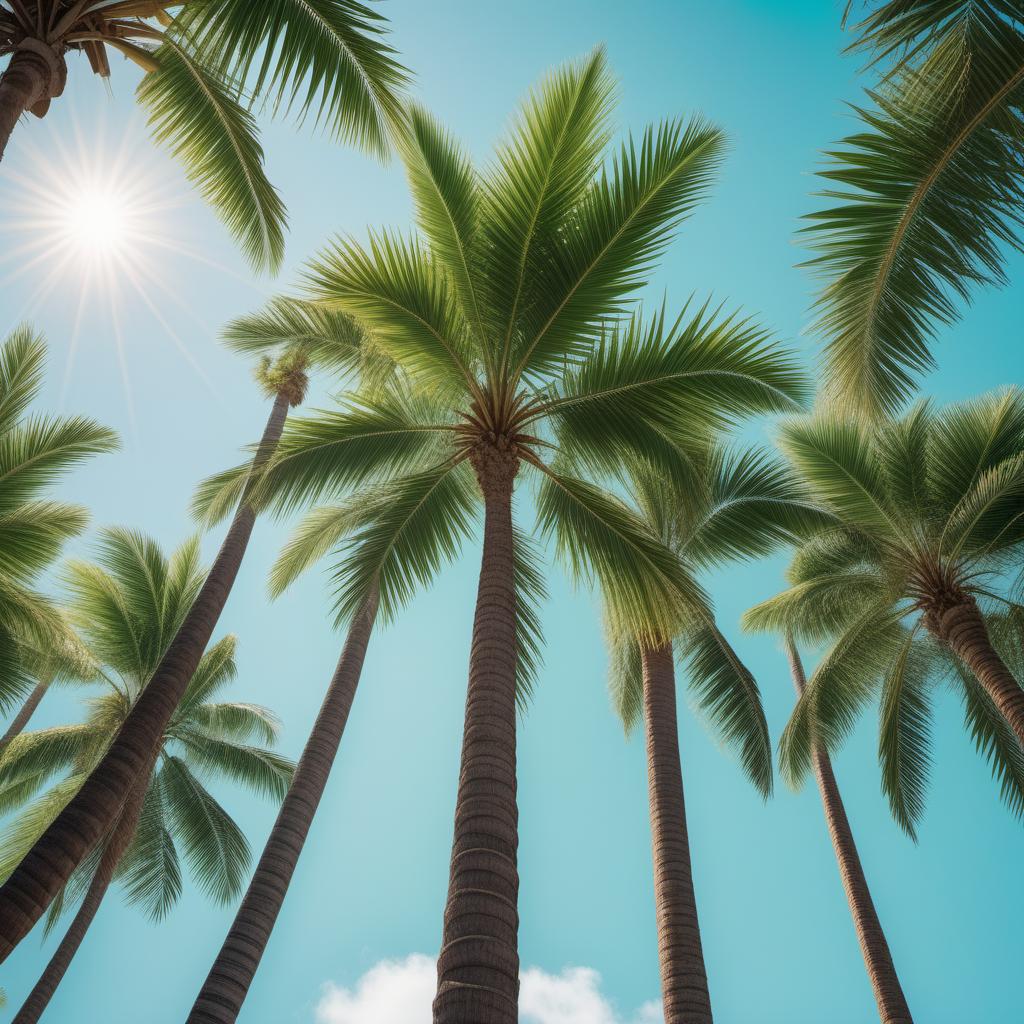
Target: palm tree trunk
31, 887
21, 719
892, 1004
221, 997
684, 979
26, 82
962, 628
478, 966
40, 996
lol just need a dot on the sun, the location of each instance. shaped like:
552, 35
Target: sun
97, 222
95, 230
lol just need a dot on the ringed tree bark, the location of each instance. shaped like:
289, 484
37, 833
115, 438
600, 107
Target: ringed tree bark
684, 981
33, 884
36, 74
892, 1004
478, 965
24, 715
960, 626
120, 839
221, 997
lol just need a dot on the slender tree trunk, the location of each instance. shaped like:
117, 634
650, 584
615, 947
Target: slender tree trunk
29, 890
221, 997
40, 996
24, 83
478, 966
892, 1004
21, 719
962, 628
684, 979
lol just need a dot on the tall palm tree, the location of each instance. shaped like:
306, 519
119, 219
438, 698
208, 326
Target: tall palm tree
714, 505
25, 896
874, 947
925, 197
919, 579
204, 59
498, 315
35, 452
407, 543
128, 607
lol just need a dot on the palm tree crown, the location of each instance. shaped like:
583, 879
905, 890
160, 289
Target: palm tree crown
35, 452
128, 607
919, 574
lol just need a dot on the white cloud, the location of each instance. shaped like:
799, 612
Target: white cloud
401, 991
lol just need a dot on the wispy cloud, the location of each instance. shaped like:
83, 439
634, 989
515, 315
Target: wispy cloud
401, 991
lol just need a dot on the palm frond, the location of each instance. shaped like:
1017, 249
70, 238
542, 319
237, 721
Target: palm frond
904, 736
680, 380
150, 870
647, 590
324, 455
727, 694
447, 194
194, 113
847, 676
214, 847
531, 592
541, 172
330, 339
836, 459
36, 453
755, 503
406, 531
405, 299
326, 58
610, 244
261, 771
927, 196
625, 676
22, 361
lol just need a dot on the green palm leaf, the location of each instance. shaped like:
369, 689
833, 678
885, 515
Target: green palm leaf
328, 58
727, 694
195, 113
927, 194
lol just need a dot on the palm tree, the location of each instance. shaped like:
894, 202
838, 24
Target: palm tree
885, 982
35, 452
408, 544
915, 581
926, 196
712, 506
325, 58
25, 896
129, 607
498, 315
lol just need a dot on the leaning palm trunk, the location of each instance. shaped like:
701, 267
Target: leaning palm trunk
478, 966
34, 75
40, 996
24, 715
32, 886
684, 980
221, 997
892, 1004
962, 629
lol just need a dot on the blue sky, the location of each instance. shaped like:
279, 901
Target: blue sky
371, 884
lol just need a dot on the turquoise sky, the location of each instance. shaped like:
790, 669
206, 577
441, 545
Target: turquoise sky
371, 884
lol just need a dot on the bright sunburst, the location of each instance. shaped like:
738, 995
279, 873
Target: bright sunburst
95, 228
97, 221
